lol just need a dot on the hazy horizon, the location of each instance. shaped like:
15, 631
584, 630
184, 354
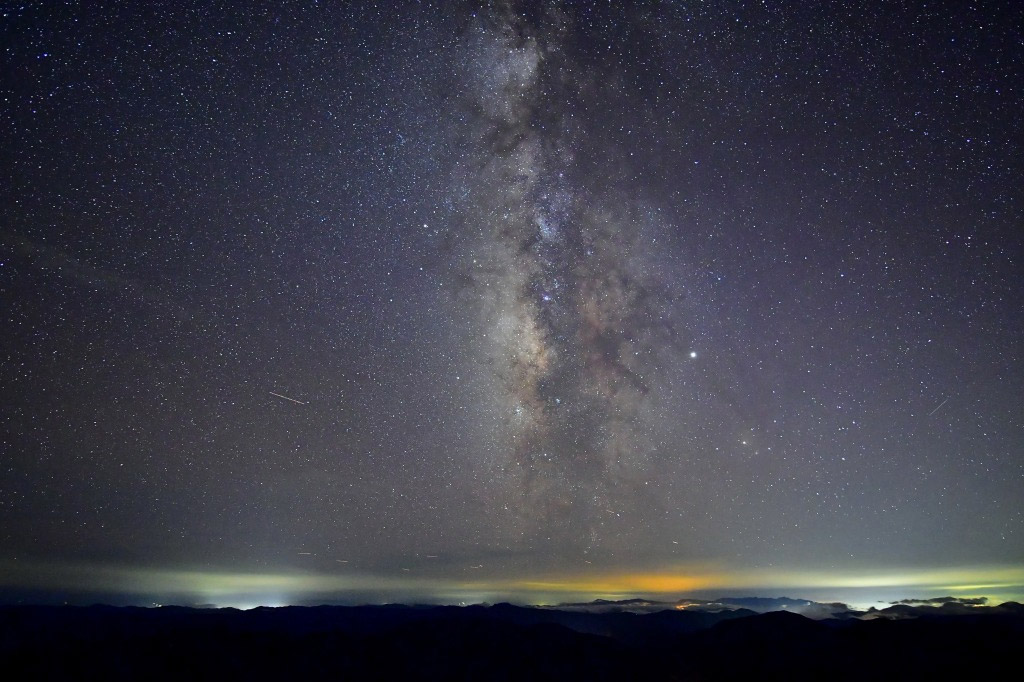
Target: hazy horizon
83, 585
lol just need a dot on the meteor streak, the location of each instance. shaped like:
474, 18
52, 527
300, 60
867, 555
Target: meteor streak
937, 407
287, 398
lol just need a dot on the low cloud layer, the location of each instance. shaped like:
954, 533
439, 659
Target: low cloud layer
939, 601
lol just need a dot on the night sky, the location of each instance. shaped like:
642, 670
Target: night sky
459, 301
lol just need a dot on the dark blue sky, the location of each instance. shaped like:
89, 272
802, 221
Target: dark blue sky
526, 297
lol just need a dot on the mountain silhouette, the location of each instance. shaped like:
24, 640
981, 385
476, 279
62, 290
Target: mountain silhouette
505, 642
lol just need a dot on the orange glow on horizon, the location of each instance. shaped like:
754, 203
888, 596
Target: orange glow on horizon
624, 583
694, 578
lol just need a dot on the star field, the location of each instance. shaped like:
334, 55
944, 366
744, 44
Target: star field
506, 298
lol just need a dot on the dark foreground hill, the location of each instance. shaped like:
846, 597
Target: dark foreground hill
501, 642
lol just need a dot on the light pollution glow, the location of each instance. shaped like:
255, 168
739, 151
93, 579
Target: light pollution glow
225, 588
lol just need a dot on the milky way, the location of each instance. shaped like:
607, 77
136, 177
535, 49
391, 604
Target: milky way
576, 320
